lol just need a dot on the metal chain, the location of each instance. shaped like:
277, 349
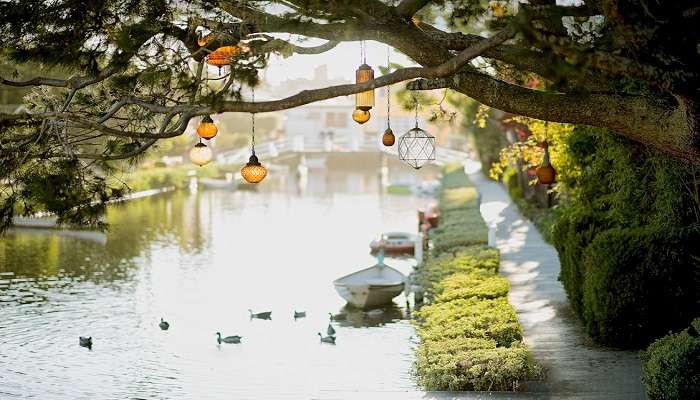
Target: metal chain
416, 100
388, 89
252, 117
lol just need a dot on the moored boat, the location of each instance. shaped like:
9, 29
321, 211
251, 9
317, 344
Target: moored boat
394, 243
371, 287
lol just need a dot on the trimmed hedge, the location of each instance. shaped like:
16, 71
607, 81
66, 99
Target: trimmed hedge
640, 283
671, 365
470, 335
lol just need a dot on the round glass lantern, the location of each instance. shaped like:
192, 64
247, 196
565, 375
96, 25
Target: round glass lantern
207, 129
201, 154
417, 148
253, 171
360, 116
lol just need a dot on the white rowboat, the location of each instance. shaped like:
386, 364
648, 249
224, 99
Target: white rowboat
371, 287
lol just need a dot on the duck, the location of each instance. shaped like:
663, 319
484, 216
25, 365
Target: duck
299, 314
164, 325
330, 330
327, 339
228, 339
260, 315
338, 317
85, 342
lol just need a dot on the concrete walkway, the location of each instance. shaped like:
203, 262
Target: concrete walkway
575, 366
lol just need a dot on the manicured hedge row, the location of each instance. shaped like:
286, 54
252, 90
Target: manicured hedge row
671, 365
470, 335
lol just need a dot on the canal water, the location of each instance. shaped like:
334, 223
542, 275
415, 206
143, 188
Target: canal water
201, 259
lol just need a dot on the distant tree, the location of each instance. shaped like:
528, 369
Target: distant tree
138, 74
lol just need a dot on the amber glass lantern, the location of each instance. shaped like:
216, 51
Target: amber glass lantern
201, 154
545, 172
388, 138
207, 129
222, 56
360, 116
364, 100
253, 171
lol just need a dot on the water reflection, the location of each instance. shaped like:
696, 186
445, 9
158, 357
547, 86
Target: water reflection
201, 260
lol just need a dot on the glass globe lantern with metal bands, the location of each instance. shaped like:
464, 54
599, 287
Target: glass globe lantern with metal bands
417, 147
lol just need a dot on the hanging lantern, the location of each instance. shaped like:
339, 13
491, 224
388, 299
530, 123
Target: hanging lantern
360, 116
201, 154
364, 100
222, 56
545, 172
207, 129
388, 138
253, 171
417, 147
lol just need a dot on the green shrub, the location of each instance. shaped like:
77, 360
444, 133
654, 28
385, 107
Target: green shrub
571, 234
458, 198
463, 260
671, 366
639, 283
483, 369
481, 284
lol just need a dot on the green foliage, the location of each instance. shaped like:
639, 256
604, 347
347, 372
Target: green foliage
639, 283
626, 234
671, 365
162, 177
470, 335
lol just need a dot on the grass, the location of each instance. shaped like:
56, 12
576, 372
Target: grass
162, 177
470, 335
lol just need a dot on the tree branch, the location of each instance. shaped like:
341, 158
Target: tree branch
407, 8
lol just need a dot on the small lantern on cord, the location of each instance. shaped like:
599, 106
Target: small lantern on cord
499, 9
207, 129
222, 56
417, 147
253, 171
388, 138
201, 154
545, 172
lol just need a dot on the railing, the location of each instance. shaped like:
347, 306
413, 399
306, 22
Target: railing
300, 144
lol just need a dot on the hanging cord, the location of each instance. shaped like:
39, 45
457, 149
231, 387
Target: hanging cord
416, 101
252, 118
388, 90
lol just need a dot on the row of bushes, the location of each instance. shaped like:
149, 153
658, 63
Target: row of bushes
161, 177
627, 238
470, 335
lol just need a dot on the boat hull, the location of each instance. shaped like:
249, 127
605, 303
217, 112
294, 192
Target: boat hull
368, 296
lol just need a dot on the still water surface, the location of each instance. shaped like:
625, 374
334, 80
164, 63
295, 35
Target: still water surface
201, 260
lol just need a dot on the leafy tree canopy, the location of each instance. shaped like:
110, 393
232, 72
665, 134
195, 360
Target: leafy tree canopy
115, 77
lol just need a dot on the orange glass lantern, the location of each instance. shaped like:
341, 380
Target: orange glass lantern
364, 100
498, 8
253, 171
360, 116
207, 129
388, 138
222, 56
545, 172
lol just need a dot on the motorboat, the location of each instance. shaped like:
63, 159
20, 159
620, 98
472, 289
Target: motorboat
394, 243
371, 287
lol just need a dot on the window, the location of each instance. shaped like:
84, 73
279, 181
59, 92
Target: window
336, 120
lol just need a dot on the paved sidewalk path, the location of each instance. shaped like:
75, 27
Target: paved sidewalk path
576, 367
